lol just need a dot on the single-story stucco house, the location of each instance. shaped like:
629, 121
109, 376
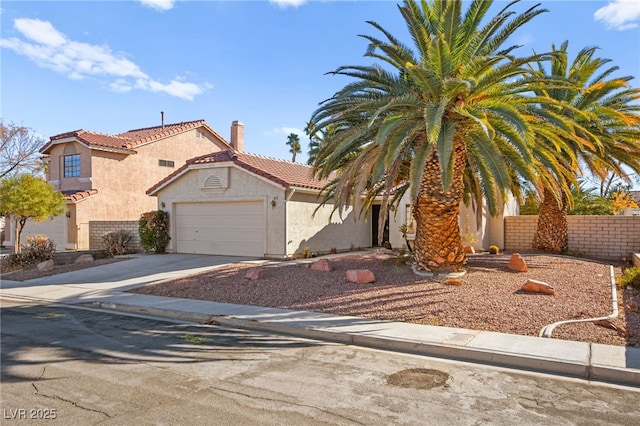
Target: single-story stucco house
235, 203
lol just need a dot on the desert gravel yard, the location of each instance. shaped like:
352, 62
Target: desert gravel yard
489, 298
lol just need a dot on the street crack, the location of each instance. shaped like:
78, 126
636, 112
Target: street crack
286, 402
74, 403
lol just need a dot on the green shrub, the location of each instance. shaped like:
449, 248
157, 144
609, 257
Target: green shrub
38, 249
153, 228
494, 249
117, 242
630, 278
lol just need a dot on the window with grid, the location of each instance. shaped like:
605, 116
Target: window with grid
72, 165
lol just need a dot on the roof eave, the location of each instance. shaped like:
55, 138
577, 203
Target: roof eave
45, 149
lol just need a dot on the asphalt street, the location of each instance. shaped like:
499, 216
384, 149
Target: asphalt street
63, 365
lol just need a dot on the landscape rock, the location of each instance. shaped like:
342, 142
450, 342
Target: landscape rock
254, 274
534, 286
360, 276
469, 250
84, 258
453, 281
321, 265
517, 263
46, 265
383, 253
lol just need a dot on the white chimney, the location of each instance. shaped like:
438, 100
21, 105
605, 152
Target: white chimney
237, 136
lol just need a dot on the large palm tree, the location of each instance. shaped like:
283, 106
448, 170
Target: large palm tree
604, 111
453, 115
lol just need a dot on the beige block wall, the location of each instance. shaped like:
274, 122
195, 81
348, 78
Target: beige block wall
97, 229
322, 232
603, 237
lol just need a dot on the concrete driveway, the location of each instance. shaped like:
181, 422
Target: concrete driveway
135, 271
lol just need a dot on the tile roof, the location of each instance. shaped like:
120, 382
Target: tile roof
282, 172
77, 195
91, 139
129, 140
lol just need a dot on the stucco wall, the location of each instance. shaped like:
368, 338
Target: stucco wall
121, 180
54, 228
56, 167
241, 186
603, 237
322, 232
2, 227
487, 231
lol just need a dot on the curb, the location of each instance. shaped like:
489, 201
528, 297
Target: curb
594, 366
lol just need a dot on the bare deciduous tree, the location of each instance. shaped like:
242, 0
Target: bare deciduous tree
19, 153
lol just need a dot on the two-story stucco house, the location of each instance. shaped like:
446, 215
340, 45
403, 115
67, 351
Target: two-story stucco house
105, 177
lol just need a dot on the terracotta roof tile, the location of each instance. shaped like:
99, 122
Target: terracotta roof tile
129, 140
140, 136
77, 195
282, 172
91, 139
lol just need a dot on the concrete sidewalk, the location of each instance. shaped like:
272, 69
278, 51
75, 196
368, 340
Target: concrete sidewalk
105, 287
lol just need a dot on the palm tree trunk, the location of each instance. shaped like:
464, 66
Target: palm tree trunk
438, 244
552, 233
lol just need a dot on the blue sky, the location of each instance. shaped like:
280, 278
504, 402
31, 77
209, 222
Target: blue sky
112, 66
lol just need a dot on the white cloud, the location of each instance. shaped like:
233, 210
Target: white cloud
174, 87
159, 4
51, 49
40, 31
286, 131
619, 14
288, 3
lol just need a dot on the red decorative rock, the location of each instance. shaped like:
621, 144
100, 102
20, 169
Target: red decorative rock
469, 249
360, 276
517, 263
533, 286
453, 281
321, 265
254, 274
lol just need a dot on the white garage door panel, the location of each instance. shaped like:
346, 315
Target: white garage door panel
221, 228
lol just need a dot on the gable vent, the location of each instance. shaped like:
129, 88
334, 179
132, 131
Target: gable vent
212, 181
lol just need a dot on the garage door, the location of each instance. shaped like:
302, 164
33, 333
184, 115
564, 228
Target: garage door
233, 229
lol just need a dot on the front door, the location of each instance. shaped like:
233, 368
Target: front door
375, 221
